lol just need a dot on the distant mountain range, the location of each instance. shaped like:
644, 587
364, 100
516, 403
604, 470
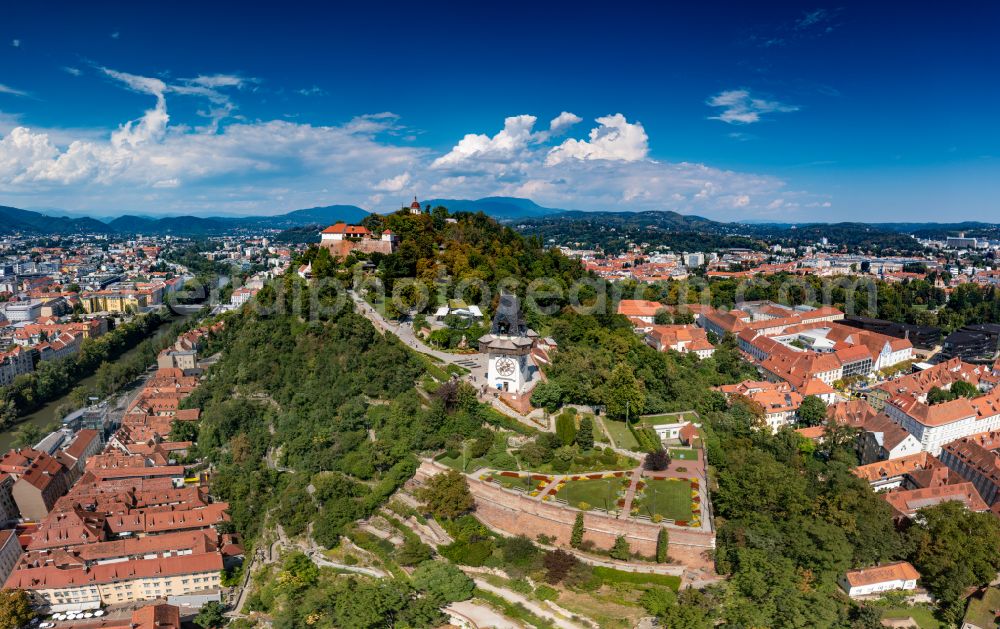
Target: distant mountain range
500, 208
535, 218
25, 221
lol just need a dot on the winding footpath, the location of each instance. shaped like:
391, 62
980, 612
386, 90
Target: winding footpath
477, 374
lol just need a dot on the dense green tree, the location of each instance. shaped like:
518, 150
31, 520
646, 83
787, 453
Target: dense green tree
585, 435
443, 580
447, 495
961, 388
866, 617
210, 616
657, 601
413, 552
662, 545
576, 537
938, 395
15, 609
519, 551
954, 549
623, 393
547, 395
566, 427
812, 411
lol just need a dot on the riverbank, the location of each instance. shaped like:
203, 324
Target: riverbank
49, 413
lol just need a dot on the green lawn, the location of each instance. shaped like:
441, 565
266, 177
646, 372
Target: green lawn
471, 465
621, 434
611, 576
521, 482
669, 498
683, 454
601, 493
922, 615
458, 370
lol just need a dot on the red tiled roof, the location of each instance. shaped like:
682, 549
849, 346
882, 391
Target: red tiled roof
84, 439
46, 577
638, 308
906, 503
344, 228
898, 571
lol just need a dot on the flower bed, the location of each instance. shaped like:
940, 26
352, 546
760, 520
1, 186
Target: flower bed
533, 484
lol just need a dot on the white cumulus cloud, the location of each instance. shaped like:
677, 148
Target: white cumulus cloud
394, 184
615, 139
155, 163
561, 123
506, 144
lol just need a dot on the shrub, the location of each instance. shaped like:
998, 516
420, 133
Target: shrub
468, 553
621, 550
557, 565
412, 552
657, 461
519, 551
546, 593
662, 545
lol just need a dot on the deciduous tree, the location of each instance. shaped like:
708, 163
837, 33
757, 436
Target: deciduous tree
444, 580
624, 395
812, 411
15, 609
447, 495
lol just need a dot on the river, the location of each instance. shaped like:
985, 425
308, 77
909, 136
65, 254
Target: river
46, 415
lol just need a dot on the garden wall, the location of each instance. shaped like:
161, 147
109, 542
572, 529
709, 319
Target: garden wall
518, 514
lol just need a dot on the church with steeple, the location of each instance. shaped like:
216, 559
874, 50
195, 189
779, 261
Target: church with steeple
415, 207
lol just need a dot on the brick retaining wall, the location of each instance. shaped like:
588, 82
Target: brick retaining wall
518, 514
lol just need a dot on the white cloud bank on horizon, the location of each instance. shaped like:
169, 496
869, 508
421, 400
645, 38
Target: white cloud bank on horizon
265, 166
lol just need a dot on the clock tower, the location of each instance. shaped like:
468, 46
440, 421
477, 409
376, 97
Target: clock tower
507, 346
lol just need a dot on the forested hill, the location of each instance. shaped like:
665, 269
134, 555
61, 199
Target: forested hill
614, 231
312, 423
312, 419
461, 248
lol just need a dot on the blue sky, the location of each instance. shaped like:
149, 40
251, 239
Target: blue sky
781, 112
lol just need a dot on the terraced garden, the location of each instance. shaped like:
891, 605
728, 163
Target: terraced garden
668, 499
594, 493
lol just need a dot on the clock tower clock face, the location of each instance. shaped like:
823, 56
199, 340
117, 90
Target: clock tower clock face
506, 367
